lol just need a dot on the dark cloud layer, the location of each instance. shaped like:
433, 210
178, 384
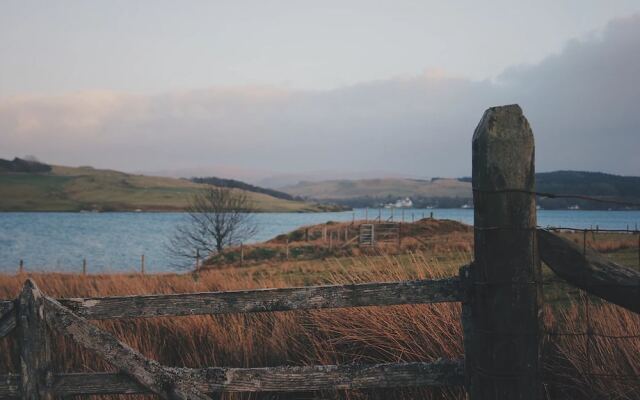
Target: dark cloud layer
583, 104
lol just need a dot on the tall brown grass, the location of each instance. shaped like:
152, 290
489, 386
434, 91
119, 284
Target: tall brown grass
373, 334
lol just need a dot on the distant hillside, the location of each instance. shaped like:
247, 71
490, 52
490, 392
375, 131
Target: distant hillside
235, 184
30, 187
379, 188
443, 192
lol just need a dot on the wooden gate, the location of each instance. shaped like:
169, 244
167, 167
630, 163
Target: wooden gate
367, 235
33, 312
379, 233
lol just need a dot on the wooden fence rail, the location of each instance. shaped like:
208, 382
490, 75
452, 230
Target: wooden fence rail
590, 271
274, 379
500, 292
249, 301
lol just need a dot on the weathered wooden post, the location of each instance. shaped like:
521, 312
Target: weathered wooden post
142, 264
502, 354
84, 266
21, 267
35, 345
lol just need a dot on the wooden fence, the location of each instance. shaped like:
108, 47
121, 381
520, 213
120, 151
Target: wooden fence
500, 294
33, 310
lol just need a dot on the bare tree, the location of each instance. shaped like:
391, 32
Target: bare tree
217, 217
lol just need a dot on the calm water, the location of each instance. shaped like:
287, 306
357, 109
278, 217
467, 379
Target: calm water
115, 241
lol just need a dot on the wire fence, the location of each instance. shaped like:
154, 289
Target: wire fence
585, 338
598, 344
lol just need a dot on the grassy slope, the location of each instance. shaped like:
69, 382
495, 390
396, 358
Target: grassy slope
75, 189
344, 189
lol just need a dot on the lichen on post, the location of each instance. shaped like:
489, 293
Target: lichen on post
502, 356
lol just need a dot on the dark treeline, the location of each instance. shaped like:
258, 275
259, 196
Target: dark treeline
589, 184
235, 184
594, 184
22, 165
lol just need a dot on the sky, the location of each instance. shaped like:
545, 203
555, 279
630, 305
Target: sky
325, 89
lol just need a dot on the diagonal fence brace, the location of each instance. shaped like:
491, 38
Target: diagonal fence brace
149, 373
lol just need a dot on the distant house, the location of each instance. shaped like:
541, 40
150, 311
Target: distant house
400, 203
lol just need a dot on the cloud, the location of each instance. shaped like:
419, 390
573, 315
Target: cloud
582, 104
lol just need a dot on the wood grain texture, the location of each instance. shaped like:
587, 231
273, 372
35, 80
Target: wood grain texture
278, 379
329, 377
505, 317
249, 301
7, 317
9, 386
35, 345
149, 373
590, 271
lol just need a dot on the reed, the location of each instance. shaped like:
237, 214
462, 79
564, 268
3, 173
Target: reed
368, 335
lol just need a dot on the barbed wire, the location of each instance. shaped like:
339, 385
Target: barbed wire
562, 196
593, 336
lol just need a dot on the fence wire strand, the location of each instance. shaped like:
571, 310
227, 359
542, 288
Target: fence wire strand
592, 335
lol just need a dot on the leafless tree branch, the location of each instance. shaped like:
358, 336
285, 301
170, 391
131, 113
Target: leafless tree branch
217, 217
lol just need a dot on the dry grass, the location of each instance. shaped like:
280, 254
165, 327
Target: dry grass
399, 333
604, 364
605, 242
339, 240
374, 334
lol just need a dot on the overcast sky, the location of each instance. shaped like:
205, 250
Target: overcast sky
259, 88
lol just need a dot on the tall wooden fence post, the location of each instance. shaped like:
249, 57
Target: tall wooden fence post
35, 345
504, 304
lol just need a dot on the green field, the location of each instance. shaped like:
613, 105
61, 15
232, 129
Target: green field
86, 188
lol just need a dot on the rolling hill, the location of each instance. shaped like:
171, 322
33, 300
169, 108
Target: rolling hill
441, 192
379, 188
31, 186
